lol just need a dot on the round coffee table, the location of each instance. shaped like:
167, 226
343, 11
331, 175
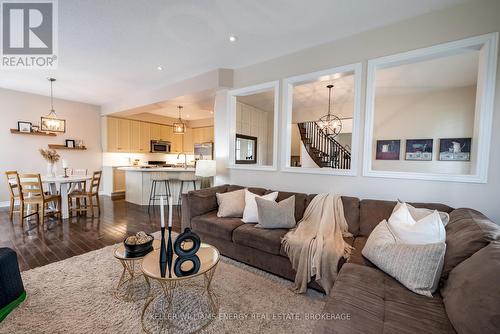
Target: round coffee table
129, 274
196, 304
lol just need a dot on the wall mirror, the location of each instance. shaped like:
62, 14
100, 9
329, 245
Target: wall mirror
253, 125
429, 112
321, 121
246, 149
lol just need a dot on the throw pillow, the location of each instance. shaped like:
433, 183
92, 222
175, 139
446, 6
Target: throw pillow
276, 215
250, 214
427, 230
231, 204
419, 213
417, 267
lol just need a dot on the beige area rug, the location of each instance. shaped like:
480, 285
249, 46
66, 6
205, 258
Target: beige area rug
76, 296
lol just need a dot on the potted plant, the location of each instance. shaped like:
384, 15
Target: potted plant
52, 157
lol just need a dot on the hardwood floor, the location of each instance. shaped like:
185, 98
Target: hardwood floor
38, 246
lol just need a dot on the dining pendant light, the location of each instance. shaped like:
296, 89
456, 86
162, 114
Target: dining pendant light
51, 123
52, 113
329, 123
179, 127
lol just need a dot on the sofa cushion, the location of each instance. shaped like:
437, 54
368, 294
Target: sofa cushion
376, 303
265, 240
204, 200
467, 232
301, 202
471, 294
356, 256
351, 213
372, 212
212, 225
255, 190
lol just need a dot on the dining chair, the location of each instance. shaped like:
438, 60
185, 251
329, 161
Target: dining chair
14, 192
87, 197
32, 194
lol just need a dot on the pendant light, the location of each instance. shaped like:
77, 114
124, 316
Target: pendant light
51, 123
179, 127
329, 123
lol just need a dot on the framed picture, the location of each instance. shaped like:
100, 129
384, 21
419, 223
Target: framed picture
388, 149
52, 124
24, 126
419, 149
454, 149
70, 143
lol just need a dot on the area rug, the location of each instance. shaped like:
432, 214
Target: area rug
76, 296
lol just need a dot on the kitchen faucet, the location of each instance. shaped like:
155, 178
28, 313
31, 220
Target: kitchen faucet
185, 165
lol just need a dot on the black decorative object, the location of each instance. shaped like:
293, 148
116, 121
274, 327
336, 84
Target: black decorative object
138, 250
170, 253
179, 272
187, 235
163, 254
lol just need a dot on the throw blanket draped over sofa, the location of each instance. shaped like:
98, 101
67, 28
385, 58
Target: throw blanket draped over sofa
316, 245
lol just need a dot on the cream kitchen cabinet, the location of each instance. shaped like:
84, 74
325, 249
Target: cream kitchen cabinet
118, 135
145, 137
187, 141
176, 142
165, 131
155, 131
135, 136
203, 135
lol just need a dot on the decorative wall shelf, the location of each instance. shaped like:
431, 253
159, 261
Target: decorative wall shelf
64, 147
17, 132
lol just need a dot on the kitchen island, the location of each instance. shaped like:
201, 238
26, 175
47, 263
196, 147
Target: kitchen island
138, 182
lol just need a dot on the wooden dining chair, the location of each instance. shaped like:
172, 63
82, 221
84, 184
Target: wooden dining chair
86, 197
32, 194
14, 192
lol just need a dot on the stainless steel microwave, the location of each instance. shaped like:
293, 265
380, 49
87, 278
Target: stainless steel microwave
160, 146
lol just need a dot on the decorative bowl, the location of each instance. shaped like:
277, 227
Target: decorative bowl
138, 250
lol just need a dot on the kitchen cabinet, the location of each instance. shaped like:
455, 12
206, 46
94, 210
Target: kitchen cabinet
145, 137
155, 131
165, 132
123, 142
176, 142
187, 141
112, 134
203, 135
135, 136
118, 180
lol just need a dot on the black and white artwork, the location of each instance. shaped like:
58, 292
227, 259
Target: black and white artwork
454, 149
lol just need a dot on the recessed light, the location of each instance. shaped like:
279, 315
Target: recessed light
233, 38
159, 68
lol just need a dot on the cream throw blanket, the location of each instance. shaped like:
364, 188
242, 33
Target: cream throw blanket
316, 245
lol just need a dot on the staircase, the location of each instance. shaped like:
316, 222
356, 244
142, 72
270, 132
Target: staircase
324, 150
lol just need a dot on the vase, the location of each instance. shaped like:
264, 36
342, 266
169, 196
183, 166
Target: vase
51, 169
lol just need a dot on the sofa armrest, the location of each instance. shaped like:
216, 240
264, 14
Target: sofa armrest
198, 202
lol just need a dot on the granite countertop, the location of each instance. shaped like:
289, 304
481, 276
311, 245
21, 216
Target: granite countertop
157, 169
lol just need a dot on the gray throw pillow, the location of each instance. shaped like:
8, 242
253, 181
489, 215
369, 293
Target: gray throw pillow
417, 267
231, 204
276, 215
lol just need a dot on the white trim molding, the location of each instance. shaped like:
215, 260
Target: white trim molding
231, 125
286, 125
488, 47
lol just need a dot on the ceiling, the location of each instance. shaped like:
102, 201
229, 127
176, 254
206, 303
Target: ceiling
111, 49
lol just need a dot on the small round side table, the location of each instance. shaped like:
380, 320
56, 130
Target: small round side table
125, 289
196, 307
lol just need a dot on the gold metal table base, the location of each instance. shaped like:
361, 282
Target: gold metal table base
159, 313
131, 287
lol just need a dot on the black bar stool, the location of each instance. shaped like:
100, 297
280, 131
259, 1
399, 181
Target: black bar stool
157, 179
186, 177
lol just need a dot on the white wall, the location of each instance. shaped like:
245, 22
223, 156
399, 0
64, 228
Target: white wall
437, 114
20, 152
461, 21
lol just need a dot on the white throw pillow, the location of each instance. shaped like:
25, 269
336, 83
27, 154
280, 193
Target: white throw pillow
417, 267
419, 213
250, 214
428, 229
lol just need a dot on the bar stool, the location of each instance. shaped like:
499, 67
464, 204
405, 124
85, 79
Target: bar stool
157, 178
186, 177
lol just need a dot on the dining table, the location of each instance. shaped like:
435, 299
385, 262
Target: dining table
63, 185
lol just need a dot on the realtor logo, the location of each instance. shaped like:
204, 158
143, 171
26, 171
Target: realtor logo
29, 34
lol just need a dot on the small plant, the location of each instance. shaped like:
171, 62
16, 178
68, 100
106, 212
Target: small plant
50, 155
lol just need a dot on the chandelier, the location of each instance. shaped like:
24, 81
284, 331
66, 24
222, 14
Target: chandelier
51, 123
179, 127
329, 123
